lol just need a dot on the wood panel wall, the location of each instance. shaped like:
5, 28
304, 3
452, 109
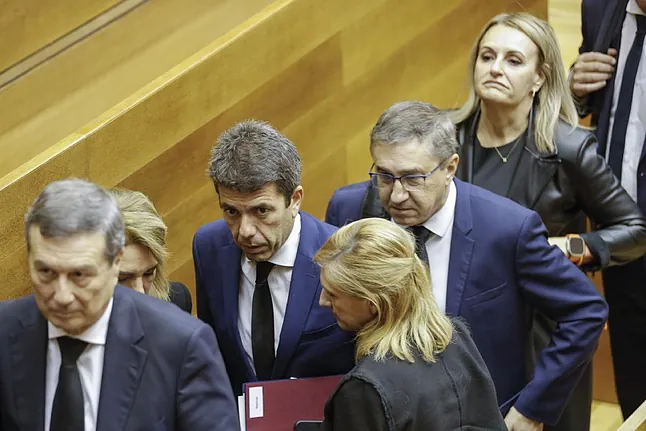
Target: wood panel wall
28, 25
320, 71
88, 79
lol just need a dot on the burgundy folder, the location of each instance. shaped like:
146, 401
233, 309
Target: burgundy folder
277, 405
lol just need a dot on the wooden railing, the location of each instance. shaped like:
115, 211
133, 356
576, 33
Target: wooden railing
320, 71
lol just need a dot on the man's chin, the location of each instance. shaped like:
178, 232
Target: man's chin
259, 255
71, 325
407, 218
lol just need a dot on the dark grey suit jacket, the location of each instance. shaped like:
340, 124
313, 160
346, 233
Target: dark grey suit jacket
453, 393
162, 369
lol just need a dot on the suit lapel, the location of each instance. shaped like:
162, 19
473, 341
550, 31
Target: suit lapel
29, 362
536, 173
230, 259
302, 295
123, 365
461, 250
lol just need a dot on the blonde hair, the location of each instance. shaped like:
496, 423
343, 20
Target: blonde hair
554, 99
375, 260
144, 226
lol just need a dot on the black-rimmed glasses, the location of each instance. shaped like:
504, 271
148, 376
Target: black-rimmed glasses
410, 182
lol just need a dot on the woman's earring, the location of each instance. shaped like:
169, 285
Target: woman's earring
533, 93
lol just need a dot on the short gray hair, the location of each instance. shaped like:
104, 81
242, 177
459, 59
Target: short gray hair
252, 154
407, 121
73, 206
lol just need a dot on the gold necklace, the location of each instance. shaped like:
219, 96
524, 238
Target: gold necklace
505, 158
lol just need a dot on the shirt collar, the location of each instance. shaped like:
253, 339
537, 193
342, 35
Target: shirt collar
441, 221
634, 8
95, 334
286, 254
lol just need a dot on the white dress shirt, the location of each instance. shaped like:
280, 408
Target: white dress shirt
90, 365
637, 121
279, 281
438, 246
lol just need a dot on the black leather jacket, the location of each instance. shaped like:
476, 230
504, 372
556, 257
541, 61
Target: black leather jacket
566, 185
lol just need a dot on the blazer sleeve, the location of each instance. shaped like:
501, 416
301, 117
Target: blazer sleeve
205, 400
553, 285
591, 16
355, 406
332, 212
201, 300
620, 227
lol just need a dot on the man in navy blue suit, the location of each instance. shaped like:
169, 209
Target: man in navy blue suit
489, 260
608, 81
257, 285
83, 353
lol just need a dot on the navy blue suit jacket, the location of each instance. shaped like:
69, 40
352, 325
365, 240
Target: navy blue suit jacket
162, 369
501, 267
599, 103
311, 342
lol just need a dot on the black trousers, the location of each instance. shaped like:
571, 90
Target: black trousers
625, 288
576, 415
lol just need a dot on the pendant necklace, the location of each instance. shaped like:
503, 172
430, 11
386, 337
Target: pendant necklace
506, 158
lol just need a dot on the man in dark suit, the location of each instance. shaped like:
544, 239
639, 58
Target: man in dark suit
608, 80
257, 285
83, 353
489, 259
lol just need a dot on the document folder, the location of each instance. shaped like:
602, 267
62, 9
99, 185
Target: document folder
277, 405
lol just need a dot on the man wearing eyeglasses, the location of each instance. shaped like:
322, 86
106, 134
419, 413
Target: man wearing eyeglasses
489, 260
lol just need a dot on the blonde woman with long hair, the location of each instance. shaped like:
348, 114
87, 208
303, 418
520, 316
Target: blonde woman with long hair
143, 267
416, 369
519, 138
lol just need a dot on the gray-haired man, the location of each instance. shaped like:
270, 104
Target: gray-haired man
82, 353
489, 258
257, 285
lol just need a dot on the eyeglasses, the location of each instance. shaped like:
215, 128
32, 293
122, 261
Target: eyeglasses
410, 182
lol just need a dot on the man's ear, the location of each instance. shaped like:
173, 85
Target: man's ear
297, 200
451, 168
